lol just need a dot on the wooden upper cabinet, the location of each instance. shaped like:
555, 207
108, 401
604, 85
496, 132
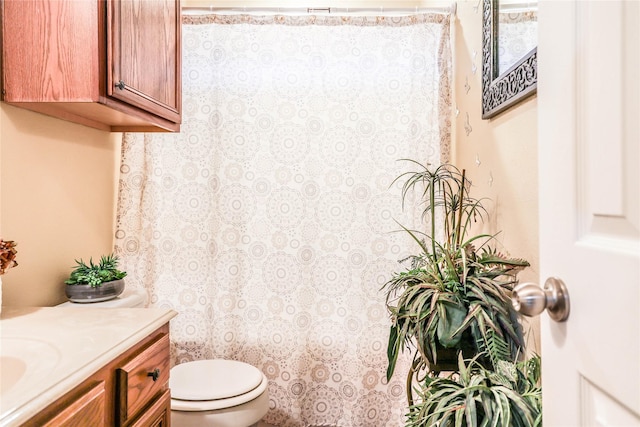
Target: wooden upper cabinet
109, 64
145, 36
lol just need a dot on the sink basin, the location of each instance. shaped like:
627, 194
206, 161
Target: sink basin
24, 362
11, 370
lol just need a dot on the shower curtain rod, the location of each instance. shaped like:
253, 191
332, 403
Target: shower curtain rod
321, 10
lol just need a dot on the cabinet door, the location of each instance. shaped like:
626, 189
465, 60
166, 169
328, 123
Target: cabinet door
158, 415
49, 51
143, 55
87, 410
141, 379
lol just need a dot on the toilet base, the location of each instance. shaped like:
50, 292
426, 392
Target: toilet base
245, 415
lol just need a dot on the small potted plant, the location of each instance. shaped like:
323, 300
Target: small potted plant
95, 282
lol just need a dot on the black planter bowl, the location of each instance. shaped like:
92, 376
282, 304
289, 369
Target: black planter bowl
88, 294
448, 357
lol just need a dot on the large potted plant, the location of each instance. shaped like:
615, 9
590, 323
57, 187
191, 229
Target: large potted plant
509, 396
453, 299
95, 282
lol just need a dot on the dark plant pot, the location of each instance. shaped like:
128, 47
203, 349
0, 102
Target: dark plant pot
87, 294
448, 357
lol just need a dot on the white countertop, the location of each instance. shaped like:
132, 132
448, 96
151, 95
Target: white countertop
51, 350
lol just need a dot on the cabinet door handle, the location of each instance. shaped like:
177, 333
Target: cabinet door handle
154, 374
120, 85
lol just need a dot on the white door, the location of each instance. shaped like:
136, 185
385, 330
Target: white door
589, 139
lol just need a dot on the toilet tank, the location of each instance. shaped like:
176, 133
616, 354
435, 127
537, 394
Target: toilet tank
129, 298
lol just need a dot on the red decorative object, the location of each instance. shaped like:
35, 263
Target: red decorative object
7, 255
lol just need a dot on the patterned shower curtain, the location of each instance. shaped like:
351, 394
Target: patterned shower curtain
269, 222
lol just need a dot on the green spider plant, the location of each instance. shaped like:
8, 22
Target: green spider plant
456, 294
475, 396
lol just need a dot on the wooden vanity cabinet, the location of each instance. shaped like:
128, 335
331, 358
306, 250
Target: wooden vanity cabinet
141, 379
130, 391
109, 64
86, 407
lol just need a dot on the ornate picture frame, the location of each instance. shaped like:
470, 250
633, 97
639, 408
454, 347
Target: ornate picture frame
499, 92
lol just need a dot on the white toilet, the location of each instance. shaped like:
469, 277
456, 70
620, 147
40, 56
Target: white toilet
206, 393
217, 393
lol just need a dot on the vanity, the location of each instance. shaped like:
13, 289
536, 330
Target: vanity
84, 366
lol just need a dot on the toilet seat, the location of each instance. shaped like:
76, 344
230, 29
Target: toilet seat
207, 385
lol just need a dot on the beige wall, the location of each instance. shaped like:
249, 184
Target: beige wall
506, 147
57, 197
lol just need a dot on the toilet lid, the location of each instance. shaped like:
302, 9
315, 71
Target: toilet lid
213, 379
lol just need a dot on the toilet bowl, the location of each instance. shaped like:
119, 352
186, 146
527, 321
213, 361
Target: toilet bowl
205, 393
217, 393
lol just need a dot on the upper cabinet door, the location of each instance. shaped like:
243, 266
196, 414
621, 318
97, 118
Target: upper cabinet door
43, 61
143, 55
64, 58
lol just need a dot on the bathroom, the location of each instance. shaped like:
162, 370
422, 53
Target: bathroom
60, 181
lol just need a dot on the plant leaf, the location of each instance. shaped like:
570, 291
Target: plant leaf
451, 318
392, 350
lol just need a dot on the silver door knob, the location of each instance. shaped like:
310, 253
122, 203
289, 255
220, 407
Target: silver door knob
529, 299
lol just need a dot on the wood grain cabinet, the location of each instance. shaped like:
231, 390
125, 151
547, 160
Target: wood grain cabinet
110, 64
87, 407
130, 391
141, 379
